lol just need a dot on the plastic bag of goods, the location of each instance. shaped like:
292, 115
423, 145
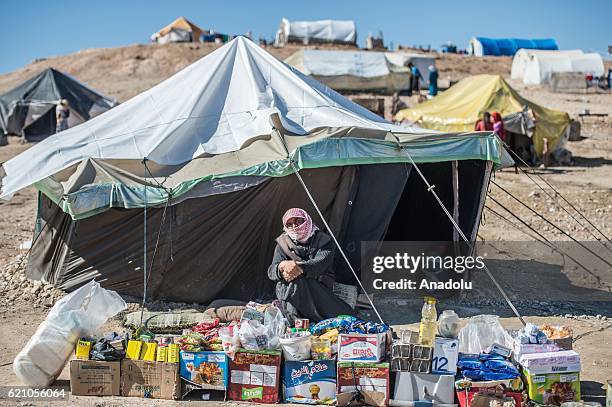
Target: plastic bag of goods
276, 325
230, 339
481, 332
80, 313
296, 345
253, 335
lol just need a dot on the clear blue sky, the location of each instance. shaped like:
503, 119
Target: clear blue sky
34, 29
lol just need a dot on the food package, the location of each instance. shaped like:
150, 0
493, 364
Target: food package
551, 362
296, 345
310, 382
80, 313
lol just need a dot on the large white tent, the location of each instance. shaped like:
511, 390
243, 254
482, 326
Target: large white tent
332, 31
538, 67
360, 70
522, 57
218, 105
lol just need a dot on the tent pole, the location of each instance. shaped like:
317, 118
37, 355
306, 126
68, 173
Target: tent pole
430, 188
144, 290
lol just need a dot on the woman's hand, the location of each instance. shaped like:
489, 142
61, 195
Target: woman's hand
290, 270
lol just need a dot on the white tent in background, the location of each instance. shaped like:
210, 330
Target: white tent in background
522, 58
360, 70
536, 68
330, 31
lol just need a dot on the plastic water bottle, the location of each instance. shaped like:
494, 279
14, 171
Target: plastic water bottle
429, 326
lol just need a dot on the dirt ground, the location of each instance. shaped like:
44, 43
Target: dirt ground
587, 184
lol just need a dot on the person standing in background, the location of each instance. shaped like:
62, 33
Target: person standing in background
62, 113
485, 123
433, 81
498, 126
415, 78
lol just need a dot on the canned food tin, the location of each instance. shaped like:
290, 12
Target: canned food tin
302, 323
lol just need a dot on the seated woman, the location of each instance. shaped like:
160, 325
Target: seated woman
302, 270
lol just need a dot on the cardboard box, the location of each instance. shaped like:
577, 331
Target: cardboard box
520, 349
255, 376
445, 355
372, 380
411, 386
465, 396
204, 370
361, 347
143, 378
310, 381
551, 362
94, 378
553, 388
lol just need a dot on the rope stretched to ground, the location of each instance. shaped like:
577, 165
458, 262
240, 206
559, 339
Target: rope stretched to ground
552, 224
430, 188
555, 191
541, 239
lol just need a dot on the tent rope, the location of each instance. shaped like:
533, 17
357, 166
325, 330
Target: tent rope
543, 240
557, 193
552, 224
329, 229
456, 226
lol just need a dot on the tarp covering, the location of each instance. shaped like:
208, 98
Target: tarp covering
539, 67
29, 108
481, 46
458, 109
180, 30
360, 70
335, 31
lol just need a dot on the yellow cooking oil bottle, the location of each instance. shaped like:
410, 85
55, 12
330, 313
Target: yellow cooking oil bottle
428, 327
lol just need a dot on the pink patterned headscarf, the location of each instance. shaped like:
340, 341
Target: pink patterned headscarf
303, 232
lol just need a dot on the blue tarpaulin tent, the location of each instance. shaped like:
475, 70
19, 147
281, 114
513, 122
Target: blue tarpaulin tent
480, 46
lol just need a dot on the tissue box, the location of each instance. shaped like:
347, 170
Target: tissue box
361, 347
551, 362
310, 381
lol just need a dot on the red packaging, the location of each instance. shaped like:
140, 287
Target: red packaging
255, 376
372, 380
462, 395
302, 323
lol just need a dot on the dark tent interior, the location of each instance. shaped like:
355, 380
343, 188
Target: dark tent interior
220, 246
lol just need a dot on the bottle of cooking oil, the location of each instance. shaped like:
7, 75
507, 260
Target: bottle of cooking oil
428, 328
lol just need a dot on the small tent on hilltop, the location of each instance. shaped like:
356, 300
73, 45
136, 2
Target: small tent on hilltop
209, 157
482, 46
316, 32
458, 109
28, 110
353, 71
180, 30
536, 68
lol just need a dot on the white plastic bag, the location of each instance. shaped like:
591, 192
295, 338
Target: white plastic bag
80, 313
253, 335
230, 339
481, 332
296, 345
276, 325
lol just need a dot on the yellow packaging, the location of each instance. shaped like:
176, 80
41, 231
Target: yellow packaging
162, 353
133, 349
82, 350
148, 351
173, 353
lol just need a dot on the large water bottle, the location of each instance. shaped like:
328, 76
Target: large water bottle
429, 326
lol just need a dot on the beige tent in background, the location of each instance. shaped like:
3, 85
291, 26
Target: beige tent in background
180, 30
